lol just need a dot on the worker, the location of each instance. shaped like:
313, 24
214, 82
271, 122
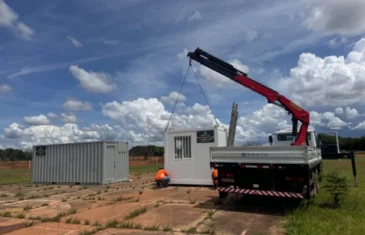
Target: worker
215, 177
162, 178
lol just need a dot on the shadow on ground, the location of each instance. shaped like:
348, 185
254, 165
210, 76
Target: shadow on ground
252, 204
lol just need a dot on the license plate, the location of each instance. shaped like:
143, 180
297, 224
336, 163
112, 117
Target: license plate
227, 180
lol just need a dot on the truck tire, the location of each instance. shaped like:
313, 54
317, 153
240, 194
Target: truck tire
223, 195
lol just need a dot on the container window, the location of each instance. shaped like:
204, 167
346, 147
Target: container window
182, 147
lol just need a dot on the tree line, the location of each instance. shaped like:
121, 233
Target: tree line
10, 154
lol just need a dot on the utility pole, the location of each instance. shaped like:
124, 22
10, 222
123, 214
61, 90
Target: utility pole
232, 125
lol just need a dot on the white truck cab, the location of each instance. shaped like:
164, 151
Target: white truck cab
285, 137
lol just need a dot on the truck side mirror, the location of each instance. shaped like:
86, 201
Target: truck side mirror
270, 140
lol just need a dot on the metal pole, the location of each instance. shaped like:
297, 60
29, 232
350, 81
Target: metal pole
352, 155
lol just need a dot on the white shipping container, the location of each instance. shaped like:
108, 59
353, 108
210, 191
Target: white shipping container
100, 162
187, 154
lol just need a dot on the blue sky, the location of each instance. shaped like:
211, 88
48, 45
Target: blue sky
97, 52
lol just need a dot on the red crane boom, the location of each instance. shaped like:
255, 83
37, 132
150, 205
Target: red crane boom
272, 96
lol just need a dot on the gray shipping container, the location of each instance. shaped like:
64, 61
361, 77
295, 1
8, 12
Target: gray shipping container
100, 162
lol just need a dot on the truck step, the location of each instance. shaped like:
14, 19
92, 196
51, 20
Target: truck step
260, 192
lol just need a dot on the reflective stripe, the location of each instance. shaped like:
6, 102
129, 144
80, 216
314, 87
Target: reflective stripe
260, 192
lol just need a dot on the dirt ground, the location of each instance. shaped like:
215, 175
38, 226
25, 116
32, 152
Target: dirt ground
135, 207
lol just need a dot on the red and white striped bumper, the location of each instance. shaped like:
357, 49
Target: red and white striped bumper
260, 192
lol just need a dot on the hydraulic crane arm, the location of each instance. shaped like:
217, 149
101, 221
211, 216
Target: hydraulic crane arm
272, 96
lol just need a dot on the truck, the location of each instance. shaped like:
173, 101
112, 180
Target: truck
290, 170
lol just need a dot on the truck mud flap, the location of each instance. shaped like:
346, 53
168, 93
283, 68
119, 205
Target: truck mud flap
260, 192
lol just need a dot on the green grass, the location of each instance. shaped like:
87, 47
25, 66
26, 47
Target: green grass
321, 220
14, 176
20, 176
145, 168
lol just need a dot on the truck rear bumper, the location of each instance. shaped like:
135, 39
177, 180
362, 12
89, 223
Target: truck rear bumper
270, 193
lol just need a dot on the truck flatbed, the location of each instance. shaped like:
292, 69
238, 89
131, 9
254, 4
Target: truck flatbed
302, 155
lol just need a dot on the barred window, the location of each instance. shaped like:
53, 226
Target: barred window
182, 147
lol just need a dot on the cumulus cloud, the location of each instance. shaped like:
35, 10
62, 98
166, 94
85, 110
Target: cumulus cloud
172, 97
77, 105
218, 79
147, 118
361, 125
14, 131
68, 118
143, 121
351, 113
327, 119
337, 16
36, 120
75, 42
93, 81
10, 20
52, 115
5, 88
329, 81
333, 43
339, 111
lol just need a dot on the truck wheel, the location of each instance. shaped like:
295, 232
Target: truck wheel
223, 195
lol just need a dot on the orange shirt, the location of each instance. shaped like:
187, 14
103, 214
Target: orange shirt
161, 174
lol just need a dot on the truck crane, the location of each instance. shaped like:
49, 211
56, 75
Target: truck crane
272, 96
279, 171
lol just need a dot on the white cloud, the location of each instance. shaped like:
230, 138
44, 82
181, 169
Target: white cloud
147, 118
339, 111
68, 118
10, 19
77, 105
74, 41
93, 81
172, 97
333, 43
361, 125
36, 120
337, 16
327, 119
110, 42
14, 131
5, 88
351, 113
183, 54
218, 79
196, 16
52, 115
329, 81
143, 121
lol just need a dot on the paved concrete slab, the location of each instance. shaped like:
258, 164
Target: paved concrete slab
105, 213
49, 211
84, 205
52, 229
124, 193
8, 225
177, 216
239, 222
193, 196
34, 203
131, 232
152, 195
